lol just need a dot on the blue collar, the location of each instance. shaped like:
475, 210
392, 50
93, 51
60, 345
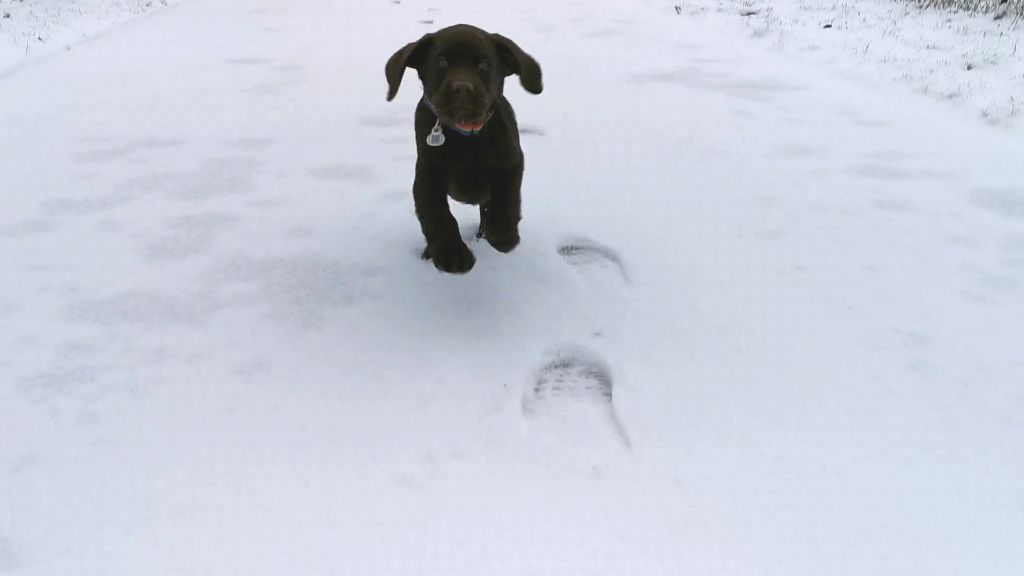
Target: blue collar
456, 129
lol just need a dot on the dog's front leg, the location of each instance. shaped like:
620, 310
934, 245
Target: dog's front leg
499, 220
444, 243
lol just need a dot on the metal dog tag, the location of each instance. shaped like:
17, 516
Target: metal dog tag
436, 136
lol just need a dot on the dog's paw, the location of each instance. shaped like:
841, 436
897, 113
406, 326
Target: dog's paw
505, 242
455, 258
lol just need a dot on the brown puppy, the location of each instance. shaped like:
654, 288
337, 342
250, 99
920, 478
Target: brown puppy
467, 139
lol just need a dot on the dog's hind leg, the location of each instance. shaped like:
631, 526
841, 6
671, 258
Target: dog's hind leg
481, 231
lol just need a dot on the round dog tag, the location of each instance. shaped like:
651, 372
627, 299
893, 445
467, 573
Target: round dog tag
436, 136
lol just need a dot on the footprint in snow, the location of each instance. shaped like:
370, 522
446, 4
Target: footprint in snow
530, 130
1003, 202
584, 253
574, 388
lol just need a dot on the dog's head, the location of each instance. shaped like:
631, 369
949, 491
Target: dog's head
463, 70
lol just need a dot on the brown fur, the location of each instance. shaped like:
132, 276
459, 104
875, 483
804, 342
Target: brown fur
485, 169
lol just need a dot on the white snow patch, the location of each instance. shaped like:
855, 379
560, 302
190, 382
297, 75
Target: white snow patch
966, 58
33, 28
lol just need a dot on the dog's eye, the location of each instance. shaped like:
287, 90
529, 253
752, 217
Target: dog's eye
442, 64
485, 66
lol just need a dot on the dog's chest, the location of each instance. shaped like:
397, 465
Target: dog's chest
468, 186
468, 179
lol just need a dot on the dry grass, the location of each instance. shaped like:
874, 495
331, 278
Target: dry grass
1000, 8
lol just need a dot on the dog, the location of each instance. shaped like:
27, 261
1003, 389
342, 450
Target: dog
467, 139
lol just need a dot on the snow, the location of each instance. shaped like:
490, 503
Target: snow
972, 60
34, 28
766, 316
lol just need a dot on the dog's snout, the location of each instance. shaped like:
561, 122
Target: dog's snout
462, 88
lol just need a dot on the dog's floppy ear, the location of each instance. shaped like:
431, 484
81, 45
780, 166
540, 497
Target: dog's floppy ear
406, 57
518, 62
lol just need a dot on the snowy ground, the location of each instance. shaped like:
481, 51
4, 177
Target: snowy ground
766, 317
33, 28
971, 60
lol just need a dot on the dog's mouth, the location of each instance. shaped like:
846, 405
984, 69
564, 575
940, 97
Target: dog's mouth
466, 119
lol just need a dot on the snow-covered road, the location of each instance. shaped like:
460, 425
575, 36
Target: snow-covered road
766, 318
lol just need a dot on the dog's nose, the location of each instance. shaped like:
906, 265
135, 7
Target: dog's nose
462, 88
